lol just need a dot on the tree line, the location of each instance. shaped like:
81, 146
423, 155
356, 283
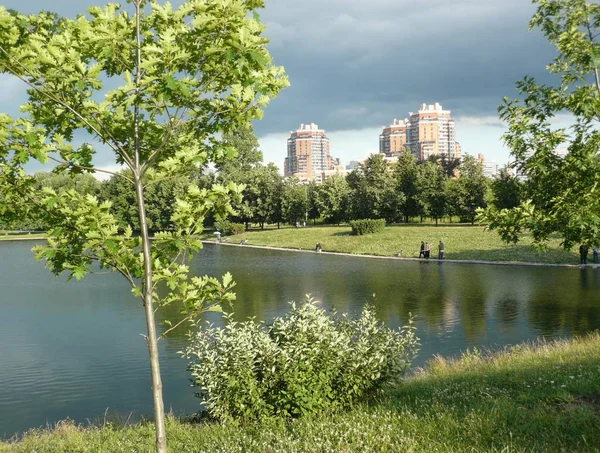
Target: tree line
404, 191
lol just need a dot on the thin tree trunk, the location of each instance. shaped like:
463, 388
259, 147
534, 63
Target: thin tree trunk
157, 397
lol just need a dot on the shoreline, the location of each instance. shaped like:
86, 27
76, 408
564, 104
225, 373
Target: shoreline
399, 258
381, 257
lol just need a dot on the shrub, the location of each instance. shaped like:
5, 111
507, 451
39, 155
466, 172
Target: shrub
367, 226
228, 228
304, 362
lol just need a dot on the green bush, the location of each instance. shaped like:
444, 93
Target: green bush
367, 226
228, 228
304, 362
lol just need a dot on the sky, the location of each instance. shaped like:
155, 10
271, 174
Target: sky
355, 65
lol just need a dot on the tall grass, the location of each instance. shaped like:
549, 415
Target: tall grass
539, 397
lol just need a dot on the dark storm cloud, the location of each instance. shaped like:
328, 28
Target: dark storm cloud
358, 64
355, 64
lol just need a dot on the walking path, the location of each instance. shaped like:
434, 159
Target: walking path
495, 263
435, 260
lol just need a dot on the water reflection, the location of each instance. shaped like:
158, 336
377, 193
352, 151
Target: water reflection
83, 337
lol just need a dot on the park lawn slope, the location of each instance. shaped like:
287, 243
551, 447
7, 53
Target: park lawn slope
461, 242
543, 397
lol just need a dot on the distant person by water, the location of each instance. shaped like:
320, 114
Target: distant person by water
583, 254
318, 247
595, 254
422, 250
427, 250
441, 250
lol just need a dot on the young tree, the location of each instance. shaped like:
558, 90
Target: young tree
561, 195
189, 75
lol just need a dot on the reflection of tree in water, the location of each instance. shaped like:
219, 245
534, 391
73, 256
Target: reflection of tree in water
431, 294
471, 306
565, 307
441, 296
507, 311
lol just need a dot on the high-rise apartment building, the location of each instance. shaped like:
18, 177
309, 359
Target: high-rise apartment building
429, 132
308, 154
392, 140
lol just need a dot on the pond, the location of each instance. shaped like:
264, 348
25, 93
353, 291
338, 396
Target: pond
74, 350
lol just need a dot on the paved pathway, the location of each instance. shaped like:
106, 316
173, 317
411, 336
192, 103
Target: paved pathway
434, 260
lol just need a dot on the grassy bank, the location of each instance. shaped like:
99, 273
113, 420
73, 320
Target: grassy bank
531, 398
10, 236
461, 242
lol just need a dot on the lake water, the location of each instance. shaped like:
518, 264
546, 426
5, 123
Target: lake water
74, 350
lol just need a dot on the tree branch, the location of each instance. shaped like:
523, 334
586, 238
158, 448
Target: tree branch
591, 38
83, 167
113, 145
187, 318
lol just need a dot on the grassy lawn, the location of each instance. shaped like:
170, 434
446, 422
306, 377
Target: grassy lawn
10, 236
461, 242
536, 398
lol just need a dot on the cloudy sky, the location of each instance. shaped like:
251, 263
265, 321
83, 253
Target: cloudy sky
355, 65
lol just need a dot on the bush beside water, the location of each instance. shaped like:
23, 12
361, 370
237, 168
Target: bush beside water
367, 226
228, 228
302, 363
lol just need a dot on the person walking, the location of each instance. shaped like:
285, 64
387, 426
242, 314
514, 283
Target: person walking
441, 250
583, 254
427, 250
595, 254
422, 250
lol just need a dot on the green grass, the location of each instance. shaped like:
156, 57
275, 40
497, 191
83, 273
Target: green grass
543, 397
461, 242
12, 236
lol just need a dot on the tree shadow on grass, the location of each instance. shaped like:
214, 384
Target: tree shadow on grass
343, 233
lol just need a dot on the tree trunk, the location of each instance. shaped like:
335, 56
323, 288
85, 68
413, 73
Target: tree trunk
157, 397
436, 221
151, 341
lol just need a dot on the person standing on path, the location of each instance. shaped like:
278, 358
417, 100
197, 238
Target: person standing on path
427, 250
441, 250
583, 254
422, 250
595, 254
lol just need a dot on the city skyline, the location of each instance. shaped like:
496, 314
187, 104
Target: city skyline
356, 65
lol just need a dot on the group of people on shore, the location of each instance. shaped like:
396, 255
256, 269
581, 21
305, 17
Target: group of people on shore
425, 250
583, 254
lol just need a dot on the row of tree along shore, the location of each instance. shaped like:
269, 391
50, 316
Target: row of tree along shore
407, 190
